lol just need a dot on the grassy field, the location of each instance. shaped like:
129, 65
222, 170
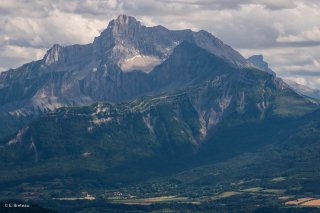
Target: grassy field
151, 200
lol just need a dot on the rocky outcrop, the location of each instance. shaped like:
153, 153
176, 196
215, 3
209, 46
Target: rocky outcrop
258, 62
81, 74
128, 60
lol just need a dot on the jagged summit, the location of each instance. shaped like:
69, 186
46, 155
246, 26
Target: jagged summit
78, 75
123, 26
125, 19
53, 55
123, 22
133, 46
258, 62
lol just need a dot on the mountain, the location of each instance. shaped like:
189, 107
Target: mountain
258, 62
222, 112
119, 65
303, 90
127, 43
169, 120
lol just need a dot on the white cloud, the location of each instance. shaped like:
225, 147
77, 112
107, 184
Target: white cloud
23, 52
309, 35
147, 21
287, 32
14, 56
278, 4
298, 80
28, 29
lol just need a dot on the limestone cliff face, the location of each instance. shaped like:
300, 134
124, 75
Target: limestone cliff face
258, 62
126, 61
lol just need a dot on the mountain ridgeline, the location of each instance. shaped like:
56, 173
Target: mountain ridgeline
144, 101
113, 68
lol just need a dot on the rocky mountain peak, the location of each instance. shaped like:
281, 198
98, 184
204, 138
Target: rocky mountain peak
257, 57
123, 26
133, 46
124, 20
54, 55
78, 73
258, 62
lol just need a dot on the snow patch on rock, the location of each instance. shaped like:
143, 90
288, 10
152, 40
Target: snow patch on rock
140, 62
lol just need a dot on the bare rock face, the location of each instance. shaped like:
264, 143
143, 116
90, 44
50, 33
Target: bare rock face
126, 61
258, 62
54, 55
125, 40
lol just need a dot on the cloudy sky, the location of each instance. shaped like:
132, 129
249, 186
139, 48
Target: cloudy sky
286, 32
